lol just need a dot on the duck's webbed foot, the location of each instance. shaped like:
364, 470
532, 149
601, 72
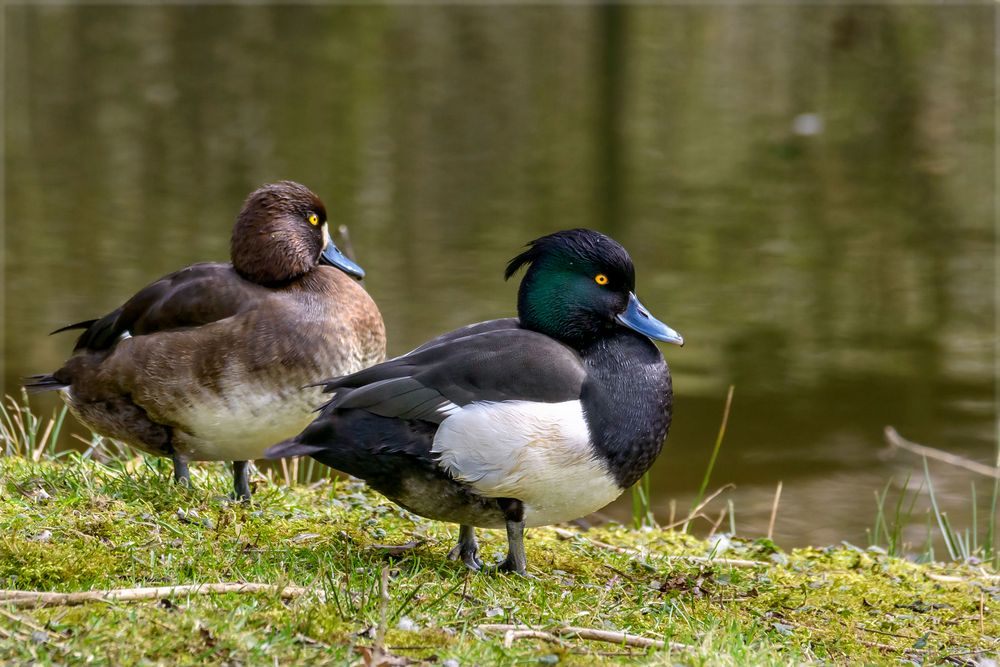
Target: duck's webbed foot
241, 480
467, 549
181, 473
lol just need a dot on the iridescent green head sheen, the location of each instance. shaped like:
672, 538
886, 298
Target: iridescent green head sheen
579, 285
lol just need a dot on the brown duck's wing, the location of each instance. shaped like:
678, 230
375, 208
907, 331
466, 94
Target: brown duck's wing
194, 296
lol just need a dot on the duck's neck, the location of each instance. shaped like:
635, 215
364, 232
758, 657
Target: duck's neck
627, 400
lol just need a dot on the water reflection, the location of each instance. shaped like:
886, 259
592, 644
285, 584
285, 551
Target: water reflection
841, 277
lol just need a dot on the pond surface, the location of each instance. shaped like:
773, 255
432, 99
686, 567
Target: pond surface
807, 194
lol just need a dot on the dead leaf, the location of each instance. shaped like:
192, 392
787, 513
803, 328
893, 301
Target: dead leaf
373, 657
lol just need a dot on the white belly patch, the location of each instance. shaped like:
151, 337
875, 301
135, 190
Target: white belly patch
538, 453
243, 422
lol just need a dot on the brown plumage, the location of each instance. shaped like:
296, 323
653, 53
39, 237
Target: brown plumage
209, 362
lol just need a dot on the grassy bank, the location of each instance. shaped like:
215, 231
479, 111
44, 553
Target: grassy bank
72, 524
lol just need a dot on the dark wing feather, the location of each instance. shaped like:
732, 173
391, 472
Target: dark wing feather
194, 296
500, 364
469, 330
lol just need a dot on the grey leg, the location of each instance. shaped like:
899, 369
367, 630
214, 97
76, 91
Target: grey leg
241, 480
517, 560
181, 473
467, 549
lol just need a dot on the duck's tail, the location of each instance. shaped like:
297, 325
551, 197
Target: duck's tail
291, 447
36, 384
86, 324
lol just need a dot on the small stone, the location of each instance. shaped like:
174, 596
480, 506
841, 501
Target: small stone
783, 628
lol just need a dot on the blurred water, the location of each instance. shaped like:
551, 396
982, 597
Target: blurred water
807, 193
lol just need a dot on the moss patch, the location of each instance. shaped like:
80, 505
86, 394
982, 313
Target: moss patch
75, 525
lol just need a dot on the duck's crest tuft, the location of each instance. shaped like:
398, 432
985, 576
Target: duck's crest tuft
583, 244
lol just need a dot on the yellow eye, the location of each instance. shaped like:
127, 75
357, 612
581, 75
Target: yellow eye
601, 279
313, 219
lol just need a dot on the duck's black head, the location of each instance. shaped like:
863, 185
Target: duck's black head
579, 286
281, 234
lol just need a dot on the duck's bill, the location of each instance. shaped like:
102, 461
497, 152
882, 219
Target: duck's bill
331, 256
637, 318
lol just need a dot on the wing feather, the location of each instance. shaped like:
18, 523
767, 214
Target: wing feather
496, 364
194, 296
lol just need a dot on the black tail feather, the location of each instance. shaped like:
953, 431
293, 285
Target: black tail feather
291, 447
36, 384
70, 327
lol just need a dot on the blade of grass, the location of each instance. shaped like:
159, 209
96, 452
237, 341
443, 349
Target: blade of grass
881, 525
975, 518
941, 521
774, 511
991, 532
642, 511
715, 453
901, 520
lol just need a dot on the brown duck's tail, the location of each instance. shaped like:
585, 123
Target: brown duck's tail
36, 384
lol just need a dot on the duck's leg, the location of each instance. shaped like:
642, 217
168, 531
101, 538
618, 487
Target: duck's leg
516, 560
181, 473
241, 480
467, 549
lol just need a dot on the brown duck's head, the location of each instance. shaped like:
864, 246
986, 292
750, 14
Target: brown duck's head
281, 234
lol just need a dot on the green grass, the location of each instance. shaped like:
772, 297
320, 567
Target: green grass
22, 433
106, 519
969, 544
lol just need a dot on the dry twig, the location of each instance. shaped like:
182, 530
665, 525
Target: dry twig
22, 621
31, 599
593, 634
896, 440
511, 635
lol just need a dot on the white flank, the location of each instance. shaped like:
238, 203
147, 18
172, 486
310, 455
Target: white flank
538, 453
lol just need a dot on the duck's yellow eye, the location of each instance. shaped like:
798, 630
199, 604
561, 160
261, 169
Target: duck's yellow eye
313, 219
601, 279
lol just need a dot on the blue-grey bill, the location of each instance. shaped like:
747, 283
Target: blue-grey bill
333, 257
637, 318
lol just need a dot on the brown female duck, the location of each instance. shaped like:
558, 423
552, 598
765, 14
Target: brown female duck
209, 363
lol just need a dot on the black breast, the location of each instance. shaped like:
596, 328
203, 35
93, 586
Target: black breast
628, 400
